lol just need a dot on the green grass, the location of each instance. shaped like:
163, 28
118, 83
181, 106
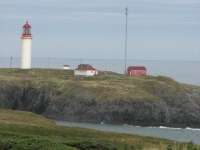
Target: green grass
25, 130
63, 83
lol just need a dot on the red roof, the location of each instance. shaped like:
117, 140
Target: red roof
27, 25
85, 67
137, 68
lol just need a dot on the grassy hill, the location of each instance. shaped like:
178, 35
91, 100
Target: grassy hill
27, 131
116, 86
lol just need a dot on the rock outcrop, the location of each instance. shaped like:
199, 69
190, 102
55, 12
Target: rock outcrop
16, 97
179, 109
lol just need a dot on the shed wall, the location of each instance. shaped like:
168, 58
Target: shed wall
137, 72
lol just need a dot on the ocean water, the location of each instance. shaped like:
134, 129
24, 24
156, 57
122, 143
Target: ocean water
177, 134
182, 71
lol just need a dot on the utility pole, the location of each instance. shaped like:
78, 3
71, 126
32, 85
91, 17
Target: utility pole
48, 62
126, 37
105, 65
11, 61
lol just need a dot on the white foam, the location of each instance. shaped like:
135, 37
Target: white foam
188, 128
163, 127
192, 128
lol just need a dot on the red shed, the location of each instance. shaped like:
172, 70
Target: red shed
136, 70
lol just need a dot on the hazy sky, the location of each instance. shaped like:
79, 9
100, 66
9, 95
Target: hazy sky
157, 29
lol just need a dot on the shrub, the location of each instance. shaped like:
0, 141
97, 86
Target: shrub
40, 143
4, 144
192, 146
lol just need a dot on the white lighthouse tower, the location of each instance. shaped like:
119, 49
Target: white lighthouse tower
26, 47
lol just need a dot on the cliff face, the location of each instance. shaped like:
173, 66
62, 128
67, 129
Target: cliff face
171, 109
25, 98
164, 112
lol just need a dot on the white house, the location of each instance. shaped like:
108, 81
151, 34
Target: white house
67, 67
85, 70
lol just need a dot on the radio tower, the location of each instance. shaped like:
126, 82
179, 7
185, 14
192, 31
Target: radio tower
126, 37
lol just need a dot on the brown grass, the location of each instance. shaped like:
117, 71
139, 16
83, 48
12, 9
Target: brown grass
24, 118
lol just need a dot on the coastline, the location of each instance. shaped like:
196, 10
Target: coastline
178, 134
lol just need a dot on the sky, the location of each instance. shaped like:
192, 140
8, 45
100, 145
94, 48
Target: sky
95, 29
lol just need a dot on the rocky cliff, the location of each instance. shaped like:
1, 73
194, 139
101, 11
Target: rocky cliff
17, 97
174, 110
172, 107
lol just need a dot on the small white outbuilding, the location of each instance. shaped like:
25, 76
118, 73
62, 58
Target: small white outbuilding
66, 67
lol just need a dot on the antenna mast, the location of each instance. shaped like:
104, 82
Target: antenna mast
126, 36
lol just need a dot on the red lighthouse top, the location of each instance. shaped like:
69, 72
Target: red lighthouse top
27, 25
26, 31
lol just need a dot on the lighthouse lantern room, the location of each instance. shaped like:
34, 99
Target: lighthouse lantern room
26, 47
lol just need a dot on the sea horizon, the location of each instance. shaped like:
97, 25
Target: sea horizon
187, 72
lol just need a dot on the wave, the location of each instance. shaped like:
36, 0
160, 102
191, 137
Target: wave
192, 129
102, 122
164, 127
187, 128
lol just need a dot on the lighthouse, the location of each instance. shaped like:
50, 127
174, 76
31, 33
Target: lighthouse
26, 47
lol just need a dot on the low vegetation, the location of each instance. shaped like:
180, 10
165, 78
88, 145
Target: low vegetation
102, 87
24, 130
27, 131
